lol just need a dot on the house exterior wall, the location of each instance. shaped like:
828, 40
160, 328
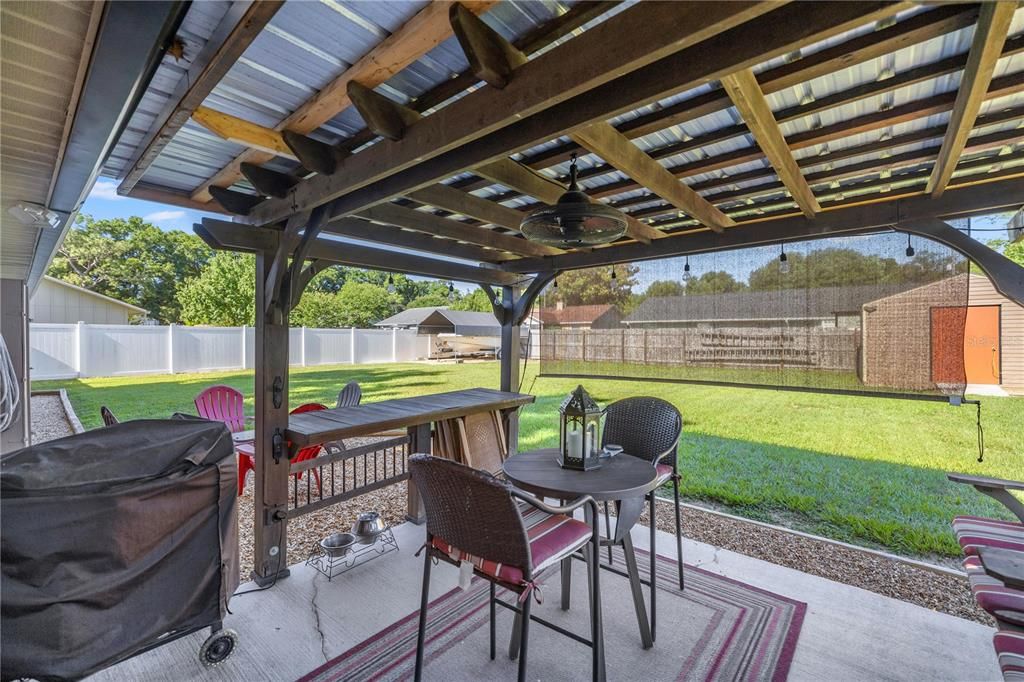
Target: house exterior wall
55, 303
1011, 327
897, 333
14, 328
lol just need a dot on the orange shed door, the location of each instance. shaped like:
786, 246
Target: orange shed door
981, 344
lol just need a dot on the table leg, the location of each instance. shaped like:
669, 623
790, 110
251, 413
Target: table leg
592, 555
637, 588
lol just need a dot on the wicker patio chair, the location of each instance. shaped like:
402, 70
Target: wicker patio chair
649, 428
474, 517
350, 395
108, 417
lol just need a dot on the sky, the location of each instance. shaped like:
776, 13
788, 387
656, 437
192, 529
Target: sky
104, 202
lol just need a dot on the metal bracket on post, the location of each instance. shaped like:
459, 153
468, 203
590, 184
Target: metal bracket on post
277, 449
278, 392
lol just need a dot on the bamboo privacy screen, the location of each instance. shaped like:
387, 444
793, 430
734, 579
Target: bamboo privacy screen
874, 313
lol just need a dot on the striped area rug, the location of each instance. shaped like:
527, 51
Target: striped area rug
717, 629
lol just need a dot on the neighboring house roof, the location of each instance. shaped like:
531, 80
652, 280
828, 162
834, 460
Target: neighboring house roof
108, 299
574, 314
465, 322
789, 304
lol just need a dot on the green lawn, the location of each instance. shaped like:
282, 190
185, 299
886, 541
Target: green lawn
863, 470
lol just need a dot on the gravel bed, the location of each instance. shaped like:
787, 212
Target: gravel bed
888, 577
307, 530
896, 579
49, 422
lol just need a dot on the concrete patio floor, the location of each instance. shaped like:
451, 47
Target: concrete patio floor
848, 633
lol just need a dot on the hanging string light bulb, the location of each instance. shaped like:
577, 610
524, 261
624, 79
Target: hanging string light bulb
451, 291
910, 248
686, 270
555, 285
391, 283
613, 273
783, 261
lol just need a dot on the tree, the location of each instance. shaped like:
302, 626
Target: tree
224, 294
131, 260
594, 285
1012, 250
663, 288
361, 304
432, 300
477, 301
714, 282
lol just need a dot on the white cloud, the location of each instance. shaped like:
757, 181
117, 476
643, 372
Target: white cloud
105, 189
162, 216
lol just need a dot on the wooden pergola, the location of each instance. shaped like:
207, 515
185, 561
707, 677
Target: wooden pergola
437, 186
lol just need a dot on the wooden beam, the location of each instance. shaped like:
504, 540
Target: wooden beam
425, 31
240, 237
491, 58
986, 48
267, 182
422, 221
242, 132
314, 155
454, 200
417, 241
622, 43
238, 203
236, 31
971, 200
162, 195
382, 115
618, 150
753, 107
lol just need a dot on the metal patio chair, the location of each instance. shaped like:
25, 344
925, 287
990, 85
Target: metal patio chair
649, 428
475, 517
350, 395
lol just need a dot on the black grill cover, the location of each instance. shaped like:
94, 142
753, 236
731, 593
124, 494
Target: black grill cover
112, 539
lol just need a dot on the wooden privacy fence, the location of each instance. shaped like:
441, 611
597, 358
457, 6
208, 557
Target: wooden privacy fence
811, 347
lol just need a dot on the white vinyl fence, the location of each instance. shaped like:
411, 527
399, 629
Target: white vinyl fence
65, 351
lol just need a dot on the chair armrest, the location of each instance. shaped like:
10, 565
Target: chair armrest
550, 509
986, 482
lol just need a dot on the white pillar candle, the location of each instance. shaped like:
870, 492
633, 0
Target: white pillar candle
573, 441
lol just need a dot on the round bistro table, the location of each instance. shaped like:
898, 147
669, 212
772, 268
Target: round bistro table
622, 479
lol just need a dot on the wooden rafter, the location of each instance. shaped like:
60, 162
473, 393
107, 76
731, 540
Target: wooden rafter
880, 215
454, 200
227, 44
986, 48
358, 228
230, 236
422, 221
495, 61
920, 27
425, 31
753, 107
619, 151
557, 76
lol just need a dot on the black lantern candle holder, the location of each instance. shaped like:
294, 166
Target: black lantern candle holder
579, 433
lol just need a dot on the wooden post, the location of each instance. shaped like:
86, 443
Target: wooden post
510, 349
419, 444
270, 530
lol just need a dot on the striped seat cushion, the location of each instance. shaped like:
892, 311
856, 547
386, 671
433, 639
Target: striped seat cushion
552, 538
1009, 645
975, 532
1004, 603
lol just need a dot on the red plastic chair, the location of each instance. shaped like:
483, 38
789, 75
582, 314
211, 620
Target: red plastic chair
222, 404
247, 453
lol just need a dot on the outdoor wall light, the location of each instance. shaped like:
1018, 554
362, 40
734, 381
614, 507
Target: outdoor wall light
574, 220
